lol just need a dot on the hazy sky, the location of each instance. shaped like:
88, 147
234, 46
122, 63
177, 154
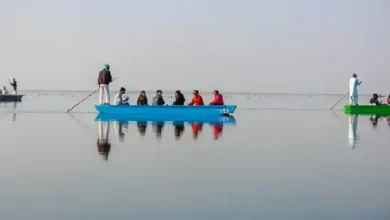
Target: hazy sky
300, 46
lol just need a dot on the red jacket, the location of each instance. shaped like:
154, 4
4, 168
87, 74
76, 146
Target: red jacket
218, 100
197, 100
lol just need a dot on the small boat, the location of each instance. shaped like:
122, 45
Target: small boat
211, 119
367, 109
172, 110
11, 98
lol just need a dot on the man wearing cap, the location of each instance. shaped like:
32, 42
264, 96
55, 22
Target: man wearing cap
104, 80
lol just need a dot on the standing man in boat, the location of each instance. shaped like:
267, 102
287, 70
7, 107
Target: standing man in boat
353, 92
104, 80
14, 85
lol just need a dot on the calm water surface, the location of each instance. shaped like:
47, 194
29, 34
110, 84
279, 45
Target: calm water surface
285, 157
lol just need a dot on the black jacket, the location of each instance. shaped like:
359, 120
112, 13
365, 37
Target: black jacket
104, 77
180, 100
158, 100
375, 101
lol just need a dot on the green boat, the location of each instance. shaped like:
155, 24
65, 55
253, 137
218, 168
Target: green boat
383, 110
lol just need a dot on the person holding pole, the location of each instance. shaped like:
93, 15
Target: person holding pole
14, 85
104, 80
353, 92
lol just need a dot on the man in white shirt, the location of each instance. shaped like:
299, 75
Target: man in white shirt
353, 92
5, 91
119, 100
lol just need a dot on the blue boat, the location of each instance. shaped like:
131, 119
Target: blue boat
211, 119
167, 110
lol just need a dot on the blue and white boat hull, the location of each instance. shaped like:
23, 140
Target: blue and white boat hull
168, 110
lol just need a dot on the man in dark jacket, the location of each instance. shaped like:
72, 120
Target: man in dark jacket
104, 80
179, 98
158, 99
14, 85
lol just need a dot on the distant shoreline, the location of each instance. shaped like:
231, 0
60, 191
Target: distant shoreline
190, 91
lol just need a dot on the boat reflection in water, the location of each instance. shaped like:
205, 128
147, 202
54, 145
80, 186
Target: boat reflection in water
158, 123
352, 130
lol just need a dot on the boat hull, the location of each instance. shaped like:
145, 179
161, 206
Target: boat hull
11, 98
211, 119
367, 109
167, 110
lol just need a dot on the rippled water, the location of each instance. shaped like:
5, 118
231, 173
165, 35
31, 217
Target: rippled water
283, 157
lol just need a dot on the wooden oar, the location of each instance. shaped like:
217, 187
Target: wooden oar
339, 100
85, 98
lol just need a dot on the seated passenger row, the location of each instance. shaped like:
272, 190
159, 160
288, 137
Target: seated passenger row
159, 100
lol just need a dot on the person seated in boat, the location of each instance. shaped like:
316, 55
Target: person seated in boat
119, 99
218, 98
197, 99
142, 99
388, 100
374, 100
179, 98
158, 99
5, 91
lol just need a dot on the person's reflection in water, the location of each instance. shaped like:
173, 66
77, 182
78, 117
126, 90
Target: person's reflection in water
196, 129
217, 130
142, 127
120, 125
14, 115
352, 130
103, 143
179, 129
158, 128
374, 121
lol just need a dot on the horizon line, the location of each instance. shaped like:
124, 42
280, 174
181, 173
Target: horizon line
189, 91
